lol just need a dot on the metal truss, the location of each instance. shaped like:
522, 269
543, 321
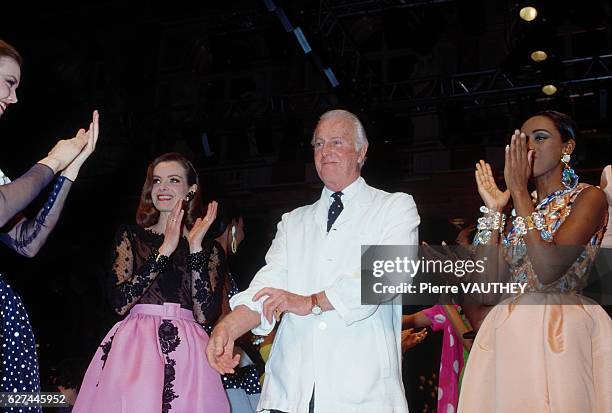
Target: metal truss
472, 90
347, 8
578, 76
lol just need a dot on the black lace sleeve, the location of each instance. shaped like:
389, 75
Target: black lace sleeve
207, 268
131, 274
17, 195
27, 236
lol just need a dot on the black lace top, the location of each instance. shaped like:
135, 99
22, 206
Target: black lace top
192, 280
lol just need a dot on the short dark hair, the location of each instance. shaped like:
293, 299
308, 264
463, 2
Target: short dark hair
565, 125
6, 50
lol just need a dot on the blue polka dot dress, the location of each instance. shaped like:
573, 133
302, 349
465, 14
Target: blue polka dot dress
19, 361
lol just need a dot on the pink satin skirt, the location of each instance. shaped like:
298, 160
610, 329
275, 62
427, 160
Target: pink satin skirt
152, 361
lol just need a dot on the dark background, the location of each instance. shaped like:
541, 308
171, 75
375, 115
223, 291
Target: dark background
437, 84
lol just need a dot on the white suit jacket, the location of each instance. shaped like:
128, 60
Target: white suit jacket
351, 354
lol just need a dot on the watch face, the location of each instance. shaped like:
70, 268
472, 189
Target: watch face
316, 310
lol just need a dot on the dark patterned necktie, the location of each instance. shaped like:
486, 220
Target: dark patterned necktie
334, 210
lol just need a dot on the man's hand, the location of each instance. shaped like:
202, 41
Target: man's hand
220, 350
281, 301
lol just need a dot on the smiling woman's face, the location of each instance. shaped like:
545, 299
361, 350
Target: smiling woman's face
10, 76
169, 185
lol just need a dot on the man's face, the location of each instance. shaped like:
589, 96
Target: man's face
335, 156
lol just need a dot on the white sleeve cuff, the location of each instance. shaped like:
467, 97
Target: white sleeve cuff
244, 298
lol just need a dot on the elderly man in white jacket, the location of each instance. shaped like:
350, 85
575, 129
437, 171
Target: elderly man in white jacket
331, 354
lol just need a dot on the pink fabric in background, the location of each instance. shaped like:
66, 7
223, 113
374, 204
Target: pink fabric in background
451, 362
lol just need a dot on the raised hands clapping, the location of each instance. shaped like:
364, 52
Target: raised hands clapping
91, 136
174, 227
66, 151
519, 163
200, 227
490, 193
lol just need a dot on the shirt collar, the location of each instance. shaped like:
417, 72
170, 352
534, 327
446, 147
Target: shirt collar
347, 193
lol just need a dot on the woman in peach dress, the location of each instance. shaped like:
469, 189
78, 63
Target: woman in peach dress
549, 349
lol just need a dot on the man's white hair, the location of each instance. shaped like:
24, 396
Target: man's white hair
360, 135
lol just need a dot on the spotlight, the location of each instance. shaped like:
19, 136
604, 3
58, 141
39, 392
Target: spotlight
549, 89
539, 56
551, 75
528, 13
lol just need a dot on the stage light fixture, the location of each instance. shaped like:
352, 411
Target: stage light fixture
549, 89
551, 73
539, 56
331, 77
299, 35
528, 13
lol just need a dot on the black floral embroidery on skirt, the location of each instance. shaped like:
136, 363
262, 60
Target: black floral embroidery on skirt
169, 341
168, 337
106, 347
168, 395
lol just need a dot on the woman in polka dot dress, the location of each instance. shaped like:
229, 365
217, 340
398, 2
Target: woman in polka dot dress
19, 364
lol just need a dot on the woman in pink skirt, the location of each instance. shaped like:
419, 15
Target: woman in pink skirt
154, 360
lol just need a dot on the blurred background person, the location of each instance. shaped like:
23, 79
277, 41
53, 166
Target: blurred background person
242, 387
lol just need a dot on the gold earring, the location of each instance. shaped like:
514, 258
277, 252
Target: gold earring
234, 245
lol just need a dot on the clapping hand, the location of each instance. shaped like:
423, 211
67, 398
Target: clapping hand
491, 195
65, 151
172, 233
91, 135
200, 227
519, 163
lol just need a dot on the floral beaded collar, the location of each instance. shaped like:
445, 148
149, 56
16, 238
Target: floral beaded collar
547, 209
